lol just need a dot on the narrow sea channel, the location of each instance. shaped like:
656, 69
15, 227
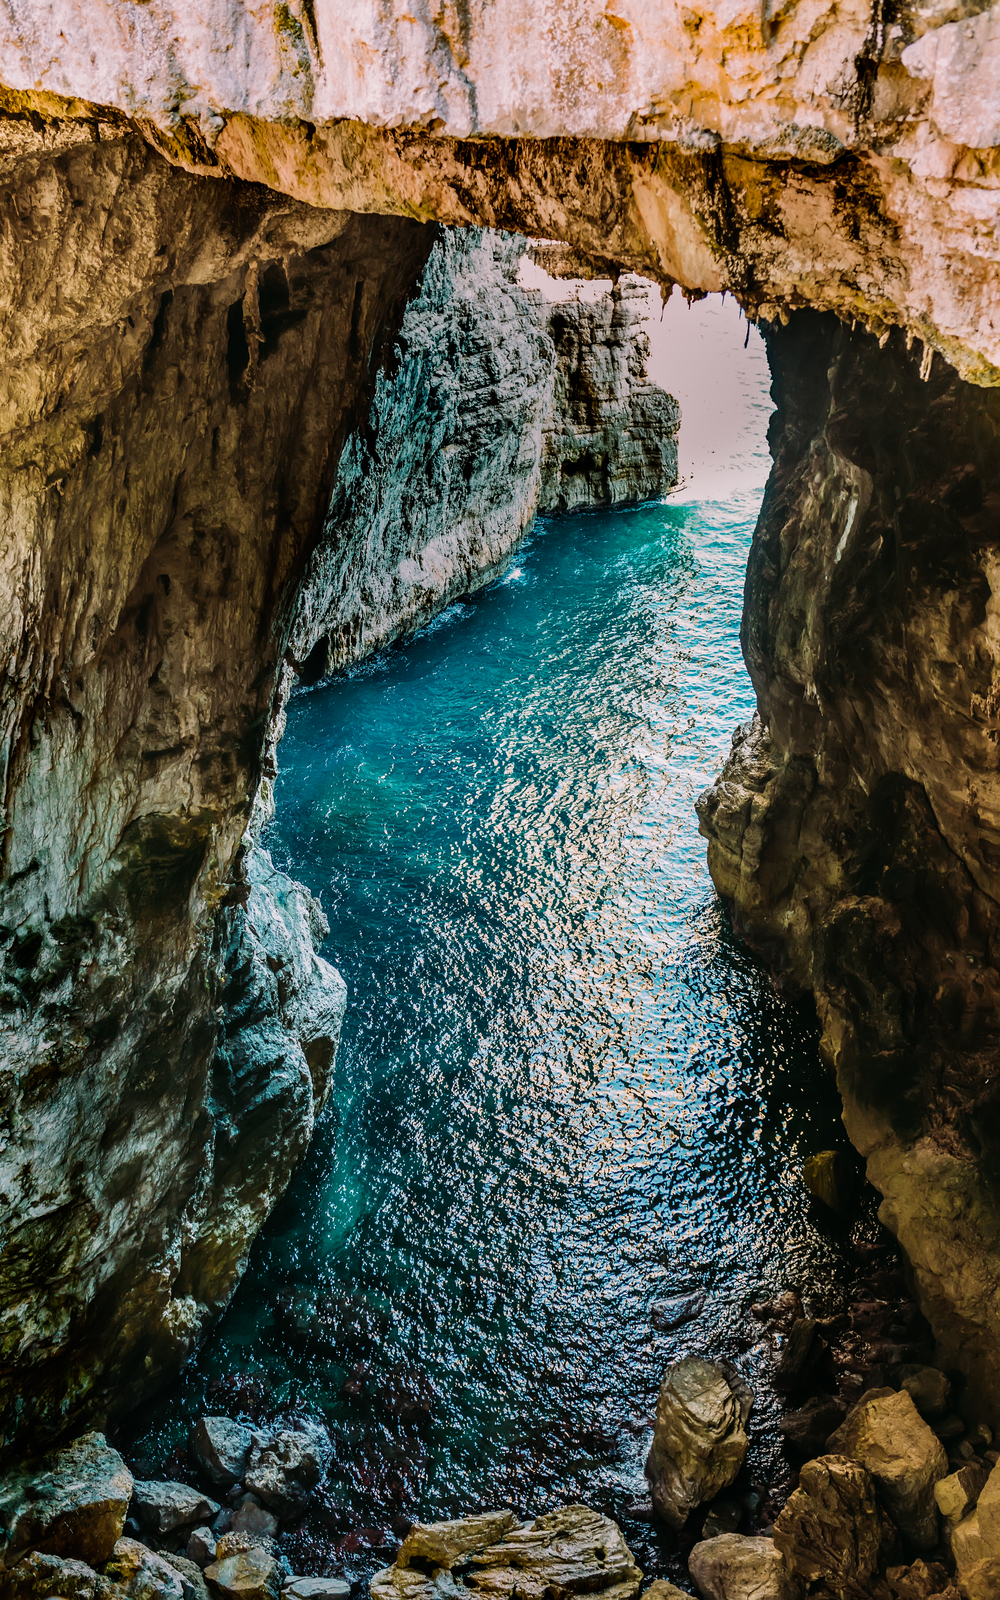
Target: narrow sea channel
565, 1093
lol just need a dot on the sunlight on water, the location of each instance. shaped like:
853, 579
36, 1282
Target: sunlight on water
564, 1091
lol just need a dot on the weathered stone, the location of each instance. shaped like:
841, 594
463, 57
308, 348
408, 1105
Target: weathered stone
443, 1543
316, 1589
201, 1547
221, 1448
250, 1517
234, 1544
191, 1576
253, 1574
659, 1589
957, 1494
888, 1436
140, 1574
699, 1438
574, 1549
832, 1530
162, 1507
73, 1502
733, 1567
37, 1576
929, 1389
284, 1468
988, 1510
806, 1431
981, 1581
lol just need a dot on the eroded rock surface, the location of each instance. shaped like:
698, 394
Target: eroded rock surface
699, 1438
72, 1503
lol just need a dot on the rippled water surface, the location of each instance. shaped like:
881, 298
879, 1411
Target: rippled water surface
564, 1092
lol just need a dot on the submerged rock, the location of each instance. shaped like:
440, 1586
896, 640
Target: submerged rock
665, 1315
221, 1447
829, 1176
733, 1567
73, 1502
887, 1435
699, 1438
806, 1431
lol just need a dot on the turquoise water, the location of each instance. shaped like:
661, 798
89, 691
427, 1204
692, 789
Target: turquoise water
564, 1091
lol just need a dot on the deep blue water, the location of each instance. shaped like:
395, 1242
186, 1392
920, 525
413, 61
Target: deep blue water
565, 1092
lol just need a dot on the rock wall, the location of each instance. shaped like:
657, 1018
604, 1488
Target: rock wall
856, 827
833, 155
498, 402
182, 361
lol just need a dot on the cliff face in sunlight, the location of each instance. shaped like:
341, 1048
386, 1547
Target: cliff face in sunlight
212, 219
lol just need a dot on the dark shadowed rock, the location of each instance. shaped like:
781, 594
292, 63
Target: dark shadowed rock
191, 1576
162, 1507
802, 1352
200, 1547
221, 1448
921, 1581
251, 1517
699, 1439
805, 1432
929, 1389
284, 1468
72, 1502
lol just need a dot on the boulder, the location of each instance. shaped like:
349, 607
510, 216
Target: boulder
191, 1576
250, 1517
253, 1574
574, 1549
981, 1581
660, 1589
140, 1574
805, 1432
443, 1543
832, 1530
887, 1435
201, 1547
733, 1567
73, 1502
316, 1589
929, 1389
988, 1509
699, 1439
162, 1507
286, 1467
967, 1544
221, 1447
38, 1575
958, 1493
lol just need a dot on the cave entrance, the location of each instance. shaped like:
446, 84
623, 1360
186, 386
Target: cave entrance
569, 1110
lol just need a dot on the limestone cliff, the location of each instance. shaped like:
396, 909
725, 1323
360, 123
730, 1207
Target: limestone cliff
182, 361
497, 402
856, 828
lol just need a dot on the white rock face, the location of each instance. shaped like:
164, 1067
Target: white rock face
810, 154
